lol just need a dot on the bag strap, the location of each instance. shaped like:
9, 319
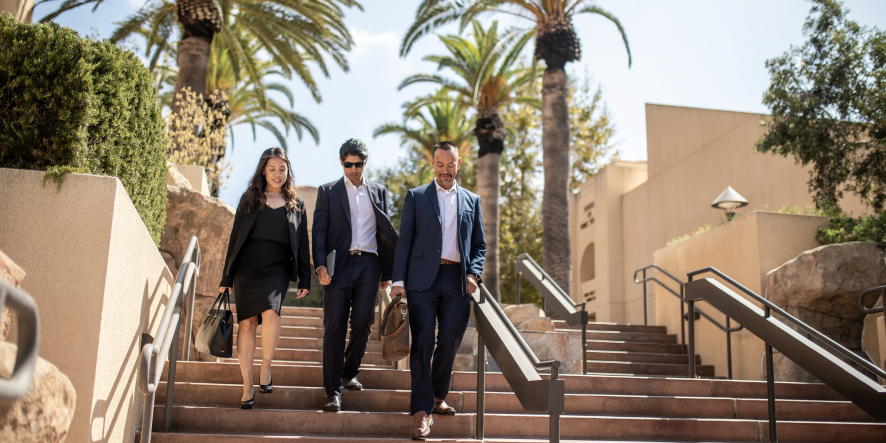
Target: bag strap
397, 332
227, 299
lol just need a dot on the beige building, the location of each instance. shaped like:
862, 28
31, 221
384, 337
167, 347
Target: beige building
631, 209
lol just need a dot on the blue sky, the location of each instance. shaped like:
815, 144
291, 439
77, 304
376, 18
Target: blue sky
699, 53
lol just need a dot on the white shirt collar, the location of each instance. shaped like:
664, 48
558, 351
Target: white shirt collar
440, 188
350, 184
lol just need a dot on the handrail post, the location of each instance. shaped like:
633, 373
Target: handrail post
691, 338
645, 317
517, 297
683, 320
584, 348
728, 349
170, 382
770, 387
192, 294
481, 384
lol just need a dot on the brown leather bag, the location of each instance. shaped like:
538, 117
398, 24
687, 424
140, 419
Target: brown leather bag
395, 331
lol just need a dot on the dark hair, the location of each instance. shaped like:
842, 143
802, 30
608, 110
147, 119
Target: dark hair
353, 147
255, 193
445, 145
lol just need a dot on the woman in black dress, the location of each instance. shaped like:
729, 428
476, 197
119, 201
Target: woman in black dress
268, 249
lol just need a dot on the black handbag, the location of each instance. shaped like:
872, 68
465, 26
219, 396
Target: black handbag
216, 333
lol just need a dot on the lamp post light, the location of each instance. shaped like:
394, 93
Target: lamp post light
729, 201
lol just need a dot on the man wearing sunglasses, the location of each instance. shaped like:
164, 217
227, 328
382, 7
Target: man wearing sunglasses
350, 218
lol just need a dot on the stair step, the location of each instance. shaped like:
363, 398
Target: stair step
317, 343
183, 437
229, 373
641, 357
383, 400
311, 355
615, 345
398, 425
302, 332
627, 336
293, 311
603, 326
618, 367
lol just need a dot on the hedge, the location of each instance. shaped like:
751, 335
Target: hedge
70, 104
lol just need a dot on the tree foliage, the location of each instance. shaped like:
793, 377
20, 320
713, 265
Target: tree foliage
592, 131
828, 105
70, 104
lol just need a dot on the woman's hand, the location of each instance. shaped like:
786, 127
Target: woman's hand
224, 288
302, 292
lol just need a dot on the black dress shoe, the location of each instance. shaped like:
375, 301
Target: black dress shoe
268, 388
334, 403
248, 404
352, 384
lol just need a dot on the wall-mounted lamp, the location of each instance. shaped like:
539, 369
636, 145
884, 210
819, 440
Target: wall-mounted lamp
729, 201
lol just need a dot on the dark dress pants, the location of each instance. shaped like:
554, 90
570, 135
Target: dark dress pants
353, 293
443, 306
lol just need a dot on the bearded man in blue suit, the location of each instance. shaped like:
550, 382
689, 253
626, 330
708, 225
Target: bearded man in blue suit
438, 263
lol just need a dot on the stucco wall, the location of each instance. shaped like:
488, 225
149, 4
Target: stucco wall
196, 175
744, 249
21, 10
99, 282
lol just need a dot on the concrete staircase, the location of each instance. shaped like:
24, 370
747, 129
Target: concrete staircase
599, 407
635, 350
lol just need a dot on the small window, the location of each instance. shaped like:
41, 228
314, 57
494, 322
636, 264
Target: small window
588, 267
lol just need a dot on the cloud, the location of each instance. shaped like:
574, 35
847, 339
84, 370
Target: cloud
364, 41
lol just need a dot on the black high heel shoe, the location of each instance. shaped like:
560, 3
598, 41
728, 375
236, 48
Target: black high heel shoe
268, 388
248, 404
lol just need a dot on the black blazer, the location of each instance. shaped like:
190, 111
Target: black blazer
332, 225
298, 240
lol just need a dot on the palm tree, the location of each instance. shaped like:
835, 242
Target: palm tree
557, 44
291, 34
487, 81
440, 116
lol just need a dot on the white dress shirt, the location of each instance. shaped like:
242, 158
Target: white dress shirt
363, 224
447, 199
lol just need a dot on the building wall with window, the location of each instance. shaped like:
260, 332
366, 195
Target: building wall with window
628, 210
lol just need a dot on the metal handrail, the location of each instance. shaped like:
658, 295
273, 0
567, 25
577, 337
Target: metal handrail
879, 289
28, 319
809, 329
150, 366
567, 309
684, 316
814, 358
518, 364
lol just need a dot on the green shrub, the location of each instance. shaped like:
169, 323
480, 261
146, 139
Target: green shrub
871, 228
69, 104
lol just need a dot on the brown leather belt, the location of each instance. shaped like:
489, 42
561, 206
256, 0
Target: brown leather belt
443, 261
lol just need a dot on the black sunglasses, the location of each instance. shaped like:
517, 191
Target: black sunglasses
349, 165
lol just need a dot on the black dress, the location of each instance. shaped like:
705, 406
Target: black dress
264, 265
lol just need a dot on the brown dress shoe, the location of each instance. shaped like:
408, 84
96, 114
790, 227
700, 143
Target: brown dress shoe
441, 408
421, 427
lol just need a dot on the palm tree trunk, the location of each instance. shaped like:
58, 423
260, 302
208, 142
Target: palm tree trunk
557, 248
489, 190
193, 65
490, 133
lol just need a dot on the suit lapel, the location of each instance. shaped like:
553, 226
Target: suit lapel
293, 217
432, 194
343, 196
462, 207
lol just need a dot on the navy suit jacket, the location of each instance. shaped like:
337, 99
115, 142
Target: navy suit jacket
421, 238
332, 226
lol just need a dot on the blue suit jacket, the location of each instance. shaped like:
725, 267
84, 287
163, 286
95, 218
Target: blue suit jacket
421, 238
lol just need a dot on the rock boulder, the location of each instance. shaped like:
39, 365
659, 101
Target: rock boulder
188, 213
14, 274
821, 287
44, 414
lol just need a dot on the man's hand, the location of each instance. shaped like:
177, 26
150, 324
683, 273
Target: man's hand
382, 285
302, 292
398, 290
472, 283
325, 279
